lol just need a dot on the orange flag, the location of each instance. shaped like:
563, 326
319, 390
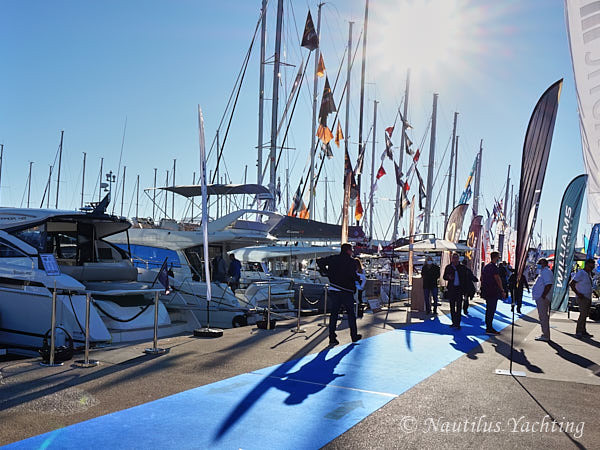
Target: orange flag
304, 212
321, 67
358, 212
339, 136
325, 134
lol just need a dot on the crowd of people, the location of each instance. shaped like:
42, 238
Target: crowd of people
498, 282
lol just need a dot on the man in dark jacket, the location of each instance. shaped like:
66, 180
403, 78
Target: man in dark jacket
470, 292
456, 276
430, 274
491, 290
516, 292
341, 271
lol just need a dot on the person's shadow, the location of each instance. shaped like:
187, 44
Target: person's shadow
310, 378
576, 359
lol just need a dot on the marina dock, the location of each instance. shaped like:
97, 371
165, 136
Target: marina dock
410, 382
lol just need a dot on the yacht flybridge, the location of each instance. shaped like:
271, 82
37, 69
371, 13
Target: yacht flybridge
121, 310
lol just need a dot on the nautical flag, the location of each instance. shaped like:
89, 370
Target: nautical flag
310, 39
422, 193
353, 187
358, 212
321, 67
404, 204
339, 136
390, 130
360, 159
416, 157
326, 149
466, 195
408, 145
303, 214
327, 103
388, 148
381, 172
163, 277
278, 190
297, 201
404, 121
324, 134
398, 174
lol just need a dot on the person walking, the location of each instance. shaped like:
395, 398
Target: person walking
541, 294
516, 290
582, 286
491, 290
219, 266
341, 271
470, 290
430, 275
503, 274
234, 272
360, 287
456, 276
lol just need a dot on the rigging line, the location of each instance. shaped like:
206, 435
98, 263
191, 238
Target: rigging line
438, 173
336, 113
237, 96
119, 167
240, 74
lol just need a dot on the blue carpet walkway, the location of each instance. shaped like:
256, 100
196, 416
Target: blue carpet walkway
301, 404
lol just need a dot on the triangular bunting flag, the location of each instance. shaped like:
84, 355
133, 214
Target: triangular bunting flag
324, 134
358, 212
398, 174
327, 103
310, 39
326, 149
422, 193
417, 155
381, 172
389, 130
388, 147
321, 67
339, 136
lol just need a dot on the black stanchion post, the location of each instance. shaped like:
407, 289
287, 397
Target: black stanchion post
324, 324
300, 294
51, 362
87, 362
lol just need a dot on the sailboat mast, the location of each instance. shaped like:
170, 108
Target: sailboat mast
166, 196
455, 171
48, 188
401, 158
123, 189
311, 202
429, 192
60, 148
450, 170
154, 196
173, 196
477, 180
261, 92
29, 183
137, 197
275, 104
348, 79
505, 206
83, 179
100, 178
361, 144
372, 169
192, 199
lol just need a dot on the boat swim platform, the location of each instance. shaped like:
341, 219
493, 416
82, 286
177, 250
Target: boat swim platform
411, 382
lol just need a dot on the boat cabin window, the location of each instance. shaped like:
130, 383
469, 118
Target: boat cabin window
147, 257
34, 236
8, 251
195, 257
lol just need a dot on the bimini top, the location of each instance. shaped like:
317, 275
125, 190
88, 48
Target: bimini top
195, 190
20, 218
264, 253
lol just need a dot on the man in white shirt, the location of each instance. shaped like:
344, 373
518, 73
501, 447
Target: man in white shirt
541, 294
582, 286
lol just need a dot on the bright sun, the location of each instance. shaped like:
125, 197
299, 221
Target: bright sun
428, 36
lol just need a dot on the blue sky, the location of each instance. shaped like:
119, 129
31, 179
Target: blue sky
84, 67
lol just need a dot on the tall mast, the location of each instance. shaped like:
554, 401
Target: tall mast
401, 157
361, 144
505, 206
83, 179
60, 147
311, 202
173, 196
137, 197
477, 180
348, 79
48, 186
512, 198
261, 92
154, 196
429, 191
166, 196
275, 103
123, 190
455, 171
325, 210
29, 183
372, 169
450, 170
99, 187
193, 183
